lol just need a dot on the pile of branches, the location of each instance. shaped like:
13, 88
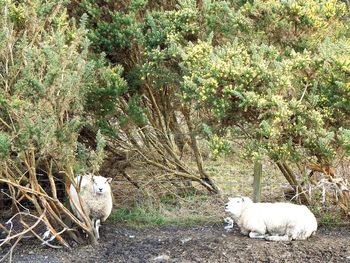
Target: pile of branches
35, 203
330, 183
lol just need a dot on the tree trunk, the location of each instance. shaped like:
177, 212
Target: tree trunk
203, 175
292, 180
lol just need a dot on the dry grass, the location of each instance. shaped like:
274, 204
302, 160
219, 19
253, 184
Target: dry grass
159, 202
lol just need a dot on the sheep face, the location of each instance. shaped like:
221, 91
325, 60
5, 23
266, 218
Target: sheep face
235, 205
101, 184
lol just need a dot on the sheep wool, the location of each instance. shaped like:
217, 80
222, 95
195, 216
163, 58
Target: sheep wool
272, 221
95, 198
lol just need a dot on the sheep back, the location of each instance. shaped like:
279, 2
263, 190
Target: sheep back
296, 221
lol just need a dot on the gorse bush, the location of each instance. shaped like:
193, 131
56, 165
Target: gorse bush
46, 85
285, 85
278, 70
43, 69
274, 72
48, 80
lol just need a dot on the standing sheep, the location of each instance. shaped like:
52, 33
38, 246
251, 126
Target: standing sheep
95, 199
272, 221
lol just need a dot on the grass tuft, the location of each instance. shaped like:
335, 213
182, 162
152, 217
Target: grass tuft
170, 210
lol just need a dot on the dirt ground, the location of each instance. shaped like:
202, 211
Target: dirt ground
200, 243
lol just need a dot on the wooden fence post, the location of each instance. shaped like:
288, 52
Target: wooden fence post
257, 181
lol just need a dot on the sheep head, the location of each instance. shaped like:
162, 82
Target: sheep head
101, 184
236, 205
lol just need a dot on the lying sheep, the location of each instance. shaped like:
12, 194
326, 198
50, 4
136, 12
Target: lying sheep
95, 199
272, 221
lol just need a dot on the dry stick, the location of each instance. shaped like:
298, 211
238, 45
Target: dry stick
29, 161
144, 138
123, 173
181, 174
300, 190
155, 105
130, 179
176, 161
43, 196
179, 138
15, 200
56, 216
26, 189
305, 89
11, 174
59, 204
54, 208
55, 233
288, 174
4, 228
154, 163
162, 119
38, 236
154, 144
8, 238
5, 123
213, 188
51, 180
21, 234
47, 222
344, 191
10, 252
14, 205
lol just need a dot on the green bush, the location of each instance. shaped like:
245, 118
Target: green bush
49, 81
278, 70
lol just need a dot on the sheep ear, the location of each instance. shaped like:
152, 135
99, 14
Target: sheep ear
109, 179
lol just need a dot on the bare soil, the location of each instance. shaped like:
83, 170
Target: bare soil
200, 243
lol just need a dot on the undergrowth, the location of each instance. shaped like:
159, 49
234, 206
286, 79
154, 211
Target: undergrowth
170, 210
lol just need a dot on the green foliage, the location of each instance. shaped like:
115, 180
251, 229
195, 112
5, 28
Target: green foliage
278, 70
289, 93
121, 32
328, 218
104, 86
113, 29
48, 83
345, 139
5, 144
98, 155
135, 111
42, 75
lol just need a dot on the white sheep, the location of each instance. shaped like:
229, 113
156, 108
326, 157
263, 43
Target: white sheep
95, 199
272, 221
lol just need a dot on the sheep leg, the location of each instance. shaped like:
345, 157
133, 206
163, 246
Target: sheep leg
97, 227
228, 223
278, 238
257, 235
94, 228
